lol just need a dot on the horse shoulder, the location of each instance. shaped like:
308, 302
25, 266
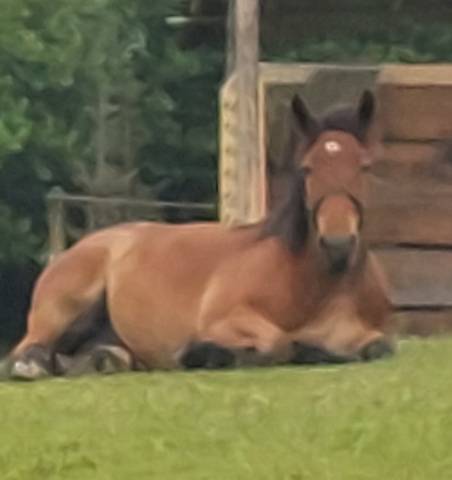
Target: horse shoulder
259, 277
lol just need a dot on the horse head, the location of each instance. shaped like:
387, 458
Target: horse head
330, 171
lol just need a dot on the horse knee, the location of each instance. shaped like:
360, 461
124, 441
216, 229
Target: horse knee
207, 355
307, 354
376, 349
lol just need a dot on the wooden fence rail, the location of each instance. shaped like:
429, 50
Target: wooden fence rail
103, 211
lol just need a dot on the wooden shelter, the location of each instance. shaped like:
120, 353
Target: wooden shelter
410, 224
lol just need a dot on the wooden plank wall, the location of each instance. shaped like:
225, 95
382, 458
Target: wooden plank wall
411, 204
409, 222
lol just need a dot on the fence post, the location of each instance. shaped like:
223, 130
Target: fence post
56, 221
242, 171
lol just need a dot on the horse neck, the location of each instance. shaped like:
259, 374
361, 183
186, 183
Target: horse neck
288, 222
302, 285
313, 285
309, 277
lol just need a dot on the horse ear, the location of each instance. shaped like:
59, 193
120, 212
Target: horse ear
307, 122
366, 110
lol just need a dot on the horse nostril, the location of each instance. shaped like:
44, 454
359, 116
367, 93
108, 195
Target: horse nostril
377, 349
338, 250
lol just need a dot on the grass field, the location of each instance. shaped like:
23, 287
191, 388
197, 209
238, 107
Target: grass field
387, 420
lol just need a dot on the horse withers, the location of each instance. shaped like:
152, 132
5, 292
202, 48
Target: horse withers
300, 286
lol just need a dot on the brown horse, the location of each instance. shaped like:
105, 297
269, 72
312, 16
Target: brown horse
298, 287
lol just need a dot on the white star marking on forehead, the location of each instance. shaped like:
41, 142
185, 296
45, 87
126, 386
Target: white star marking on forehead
332, 147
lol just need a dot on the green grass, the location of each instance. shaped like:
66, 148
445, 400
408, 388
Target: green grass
387, 420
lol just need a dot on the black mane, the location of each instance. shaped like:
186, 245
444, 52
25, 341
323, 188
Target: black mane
289, 221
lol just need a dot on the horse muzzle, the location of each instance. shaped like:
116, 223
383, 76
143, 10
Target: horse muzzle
339, 250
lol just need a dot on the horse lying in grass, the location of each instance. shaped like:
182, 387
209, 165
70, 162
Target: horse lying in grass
298, 287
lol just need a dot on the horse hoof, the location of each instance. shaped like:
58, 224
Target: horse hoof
63, 364
375, 350
28, 370
108, 360
207, 355
306, 354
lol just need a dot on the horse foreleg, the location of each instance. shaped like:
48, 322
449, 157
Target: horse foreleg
207, 354
242, 338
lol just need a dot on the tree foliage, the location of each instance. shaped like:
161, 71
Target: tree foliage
357, 31
99, 96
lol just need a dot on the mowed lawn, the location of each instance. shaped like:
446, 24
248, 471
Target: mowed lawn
387, 420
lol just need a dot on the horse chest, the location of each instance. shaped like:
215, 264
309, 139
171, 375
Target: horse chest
283, 299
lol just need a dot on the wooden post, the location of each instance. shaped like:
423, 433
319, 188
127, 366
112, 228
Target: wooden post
229, 153
55, 208
243, 191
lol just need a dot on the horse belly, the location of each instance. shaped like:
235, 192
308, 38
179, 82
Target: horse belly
154, 311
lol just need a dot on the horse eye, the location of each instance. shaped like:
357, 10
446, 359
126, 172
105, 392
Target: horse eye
306, 169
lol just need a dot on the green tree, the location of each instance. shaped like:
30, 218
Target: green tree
97, 96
